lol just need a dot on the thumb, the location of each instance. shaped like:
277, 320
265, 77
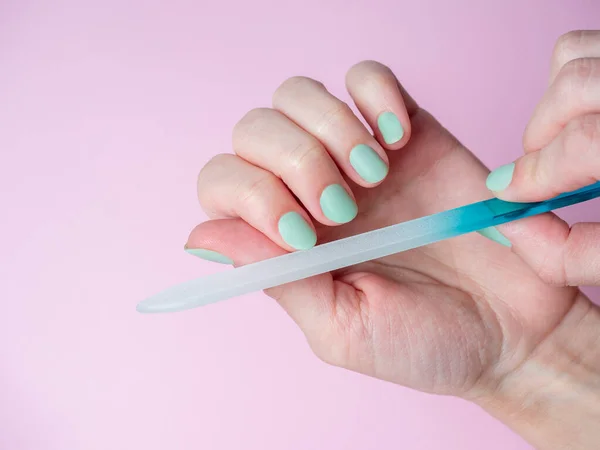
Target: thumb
571, 161
560, 254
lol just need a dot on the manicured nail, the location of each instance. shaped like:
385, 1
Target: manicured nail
368, 164
209, 255
337, 205
390, 127
500, 178
296, 232
493, 234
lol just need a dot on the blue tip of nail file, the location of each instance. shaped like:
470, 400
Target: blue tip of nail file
353, 250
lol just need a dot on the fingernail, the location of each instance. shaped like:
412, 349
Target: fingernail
500, 178
390, 127
209, 255
368, 164
493, 234
296, 232
337, 205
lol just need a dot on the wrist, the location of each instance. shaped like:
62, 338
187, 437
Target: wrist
553, 398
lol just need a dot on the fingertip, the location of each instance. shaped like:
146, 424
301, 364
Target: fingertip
338, 204
382, 101
371, 166
296, 231
501, 178
232, 239
391, 129
209, 255
525, 180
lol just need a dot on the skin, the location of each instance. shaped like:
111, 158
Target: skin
506, 328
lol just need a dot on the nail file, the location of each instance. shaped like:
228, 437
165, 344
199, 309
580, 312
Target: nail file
353, 250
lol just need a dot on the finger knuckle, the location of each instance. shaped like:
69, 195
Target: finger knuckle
368, 65
257, 189
250, 124
212, 165
581, 141
582, 133
582, 68
369, 75
335, 116
207, 174
367, 68
576, 75
566, 45
305, 155
294, 86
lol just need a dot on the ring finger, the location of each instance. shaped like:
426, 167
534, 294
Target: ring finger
356, 152
271, 141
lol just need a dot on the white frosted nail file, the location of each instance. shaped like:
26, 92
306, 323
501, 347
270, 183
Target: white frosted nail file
353, 250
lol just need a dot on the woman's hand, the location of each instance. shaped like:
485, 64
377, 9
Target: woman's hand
562, 153
465, 317
559, 387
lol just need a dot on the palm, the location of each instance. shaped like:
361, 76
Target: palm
430, 318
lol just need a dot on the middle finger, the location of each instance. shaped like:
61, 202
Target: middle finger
269, 140
332, 122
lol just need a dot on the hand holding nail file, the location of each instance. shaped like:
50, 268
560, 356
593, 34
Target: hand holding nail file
354, 250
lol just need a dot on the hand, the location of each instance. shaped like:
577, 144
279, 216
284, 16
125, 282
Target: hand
465, 317
562, 153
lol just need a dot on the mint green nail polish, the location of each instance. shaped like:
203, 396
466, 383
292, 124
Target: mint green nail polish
209, 255
493, 234
337, 205
500, 178
296, 232
390, 127
368, 164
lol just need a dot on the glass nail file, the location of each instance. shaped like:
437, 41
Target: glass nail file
353, 250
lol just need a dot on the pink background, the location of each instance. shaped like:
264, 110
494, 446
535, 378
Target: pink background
107, 112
